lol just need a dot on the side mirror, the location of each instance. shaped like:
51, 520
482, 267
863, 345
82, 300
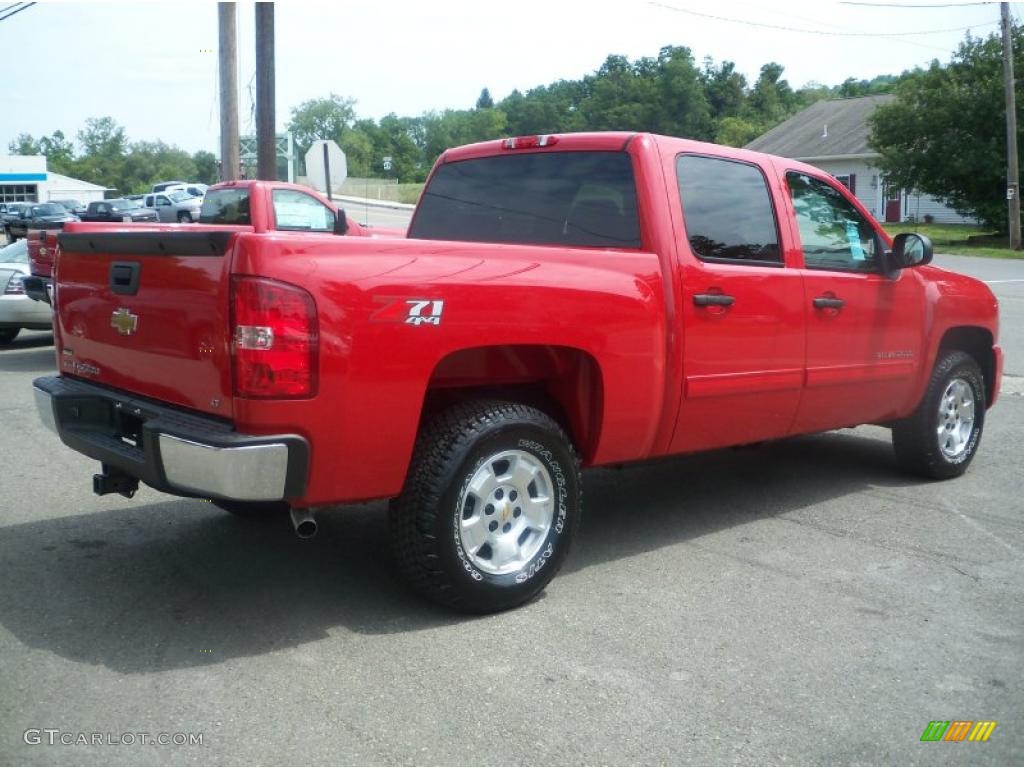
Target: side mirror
909, 250
341, 222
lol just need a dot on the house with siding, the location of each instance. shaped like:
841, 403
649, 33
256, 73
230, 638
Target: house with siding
833, 136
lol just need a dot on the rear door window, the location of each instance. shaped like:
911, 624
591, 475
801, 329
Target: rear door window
728, 211
544, 198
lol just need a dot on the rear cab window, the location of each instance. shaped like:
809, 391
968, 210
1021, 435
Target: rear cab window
572, 198
226, 206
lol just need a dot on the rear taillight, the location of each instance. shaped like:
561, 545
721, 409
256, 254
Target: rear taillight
274, 339
15, 286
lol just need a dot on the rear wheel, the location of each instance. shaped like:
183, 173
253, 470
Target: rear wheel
7, 335
940, 438
490, 506
184, 218
253, 510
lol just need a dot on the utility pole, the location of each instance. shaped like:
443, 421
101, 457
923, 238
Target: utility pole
1012, 171
266, 139
229, 162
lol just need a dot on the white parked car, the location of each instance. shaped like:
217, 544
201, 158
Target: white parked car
17, 310
174, 206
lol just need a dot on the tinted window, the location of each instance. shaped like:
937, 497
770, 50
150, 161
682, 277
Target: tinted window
296, 210
833, 232
226, 206
50, 209
549, 198
727, 210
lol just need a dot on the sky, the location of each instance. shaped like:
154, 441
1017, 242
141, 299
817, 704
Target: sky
152, 66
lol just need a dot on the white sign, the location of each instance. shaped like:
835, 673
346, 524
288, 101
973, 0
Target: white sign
387, 163
315, 165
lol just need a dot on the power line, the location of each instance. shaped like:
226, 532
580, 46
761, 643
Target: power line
912, 5
788, 15
25, 7
12, 5
818, 31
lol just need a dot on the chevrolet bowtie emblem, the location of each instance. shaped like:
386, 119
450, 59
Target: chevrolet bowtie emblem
124, 321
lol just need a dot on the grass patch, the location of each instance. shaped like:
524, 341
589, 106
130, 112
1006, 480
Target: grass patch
961, 239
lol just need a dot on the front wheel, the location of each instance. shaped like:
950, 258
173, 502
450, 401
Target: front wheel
941, 437
490, 506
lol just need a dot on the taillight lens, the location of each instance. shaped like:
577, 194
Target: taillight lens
274, 339
15, 286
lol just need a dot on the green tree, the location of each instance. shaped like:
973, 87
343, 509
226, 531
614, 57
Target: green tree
726, 88
771, 100
681, 107
207, 167
945, 134
23, 144
329, 118
485, 101
59, 151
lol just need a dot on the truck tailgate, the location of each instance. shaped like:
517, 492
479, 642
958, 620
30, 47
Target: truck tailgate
145, 309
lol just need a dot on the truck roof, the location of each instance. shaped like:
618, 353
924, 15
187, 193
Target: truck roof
610, 141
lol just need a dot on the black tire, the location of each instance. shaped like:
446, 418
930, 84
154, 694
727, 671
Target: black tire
7, 335
253, 510
455, 445
184, 218
916, 440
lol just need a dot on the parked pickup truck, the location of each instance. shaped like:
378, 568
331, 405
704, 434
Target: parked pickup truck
42, 244
119, 209
587, 299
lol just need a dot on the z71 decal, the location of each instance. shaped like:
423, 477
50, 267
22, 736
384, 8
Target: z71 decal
408, 311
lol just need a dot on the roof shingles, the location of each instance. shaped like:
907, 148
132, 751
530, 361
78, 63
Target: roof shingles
804, 135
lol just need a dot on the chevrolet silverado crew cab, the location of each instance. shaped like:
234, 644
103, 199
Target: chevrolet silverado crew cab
560, 301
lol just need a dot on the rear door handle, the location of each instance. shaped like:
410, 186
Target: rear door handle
828, 302
713, 300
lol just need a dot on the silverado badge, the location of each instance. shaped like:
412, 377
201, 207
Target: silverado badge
124, 321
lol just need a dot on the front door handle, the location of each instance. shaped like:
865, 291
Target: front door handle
828, 302
713, 300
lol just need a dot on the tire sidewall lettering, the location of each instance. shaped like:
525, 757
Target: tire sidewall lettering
549, 551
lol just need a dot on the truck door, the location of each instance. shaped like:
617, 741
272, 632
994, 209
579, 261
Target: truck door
864, 329
741, 309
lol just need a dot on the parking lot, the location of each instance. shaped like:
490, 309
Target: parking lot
800, 602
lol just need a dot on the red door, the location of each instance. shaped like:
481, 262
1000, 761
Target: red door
864, 330
742, 310
893, 205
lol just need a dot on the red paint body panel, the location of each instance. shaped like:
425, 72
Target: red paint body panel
41, 253
613, 336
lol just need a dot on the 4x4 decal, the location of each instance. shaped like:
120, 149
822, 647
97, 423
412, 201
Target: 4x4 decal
408, 311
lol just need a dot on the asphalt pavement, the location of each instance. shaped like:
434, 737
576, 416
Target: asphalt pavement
798, 603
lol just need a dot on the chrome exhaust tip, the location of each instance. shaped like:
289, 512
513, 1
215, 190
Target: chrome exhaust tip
304, 523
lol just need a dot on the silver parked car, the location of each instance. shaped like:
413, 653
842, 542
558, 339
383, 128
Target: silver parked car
17, 310
174, 206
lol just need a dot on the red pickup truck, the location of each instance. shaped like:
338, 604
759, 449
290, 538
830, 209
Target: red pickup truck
569, 300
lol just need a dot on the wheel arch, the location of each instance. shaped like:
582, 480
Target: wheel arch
978, 343
564, 382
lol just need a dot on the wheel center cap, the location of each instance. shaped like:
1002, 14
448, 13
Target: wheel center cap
506, 512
